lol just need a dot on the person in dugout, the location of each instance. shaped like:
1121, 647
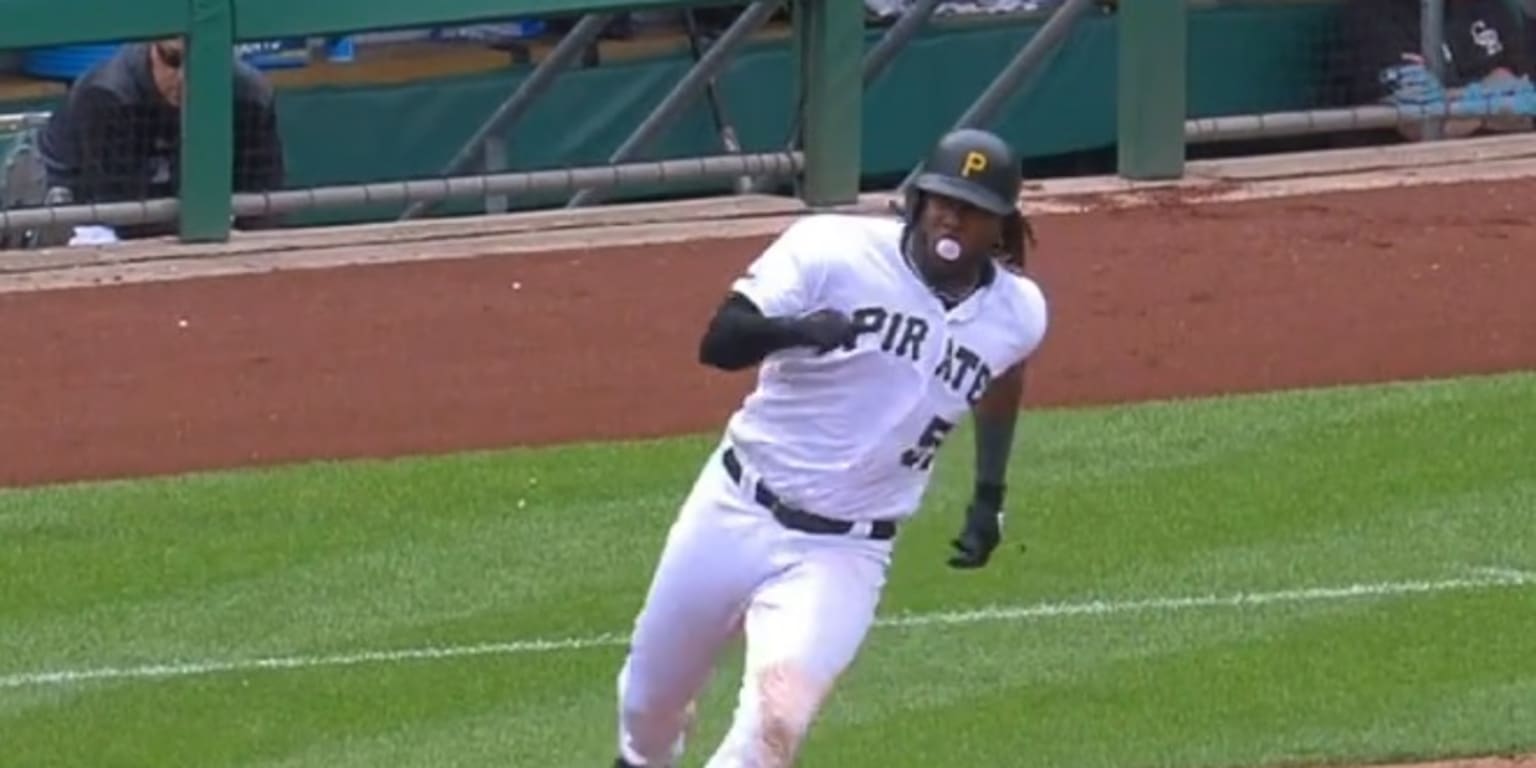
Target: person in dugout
1484, 65
117, 137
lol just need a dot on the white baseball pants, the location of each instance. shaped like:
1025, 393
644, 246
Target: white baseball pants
804, 601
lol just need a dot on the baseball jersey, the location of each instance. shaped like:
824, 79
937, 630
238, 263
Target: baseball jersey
851, 434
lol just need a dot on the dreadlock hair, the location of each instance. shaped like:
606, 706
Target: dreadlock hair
1017, 241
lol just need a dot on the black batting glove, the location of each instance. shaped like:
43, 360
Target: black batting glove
982, 531
825, 330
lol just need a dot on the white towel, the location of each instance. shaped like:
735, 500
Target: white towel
93, 235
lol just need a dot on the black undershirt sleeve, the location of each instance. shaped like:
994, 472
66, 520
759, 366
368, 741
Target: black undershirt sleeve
740, 336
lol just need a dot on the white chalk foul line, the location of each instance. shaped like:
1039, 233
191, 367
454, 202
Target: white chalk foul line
194, 668
1490, 578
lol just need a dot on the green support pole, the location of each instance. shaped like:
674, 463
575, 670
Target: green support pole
207, 122
1153, 88
829, 57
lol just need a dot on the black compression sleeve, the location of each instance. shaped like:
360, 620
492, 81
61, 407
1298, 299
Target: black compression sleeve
740, 335
994, 443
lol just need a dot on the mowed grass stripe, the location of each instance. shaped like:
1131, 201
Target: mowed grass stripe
1491, 578
1141, 505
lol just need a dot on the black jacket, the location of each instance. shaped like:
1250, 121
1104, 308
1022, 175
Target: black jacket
114, 138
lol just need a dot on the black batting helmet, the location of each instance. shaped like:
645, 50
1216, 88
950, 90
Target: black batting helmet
975, 166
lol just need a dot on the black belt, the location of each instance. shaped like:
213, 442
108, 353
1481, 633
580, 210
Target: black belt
798, 519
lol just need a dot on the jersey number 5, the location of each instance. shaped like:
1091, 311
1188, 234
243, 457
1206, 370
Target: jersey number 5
921, 455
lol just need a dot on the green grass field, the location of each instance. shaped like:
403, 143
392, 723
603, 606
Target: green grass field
1321, 577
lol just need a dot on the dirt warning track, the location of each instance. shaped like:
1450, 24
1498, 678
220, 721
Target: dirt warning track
1176, 299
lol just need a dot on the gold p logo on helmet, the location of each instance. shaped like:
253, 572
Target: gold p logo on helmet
975, 162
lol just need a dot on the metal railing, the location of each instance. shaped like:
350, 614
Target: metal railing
1357, 118
828, 35
820, 152
567, 180
1030, 58
23, 121
1271, 125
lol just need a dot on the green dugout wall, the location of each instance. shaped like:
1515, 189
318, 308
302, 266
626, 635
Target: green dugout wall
1241, 58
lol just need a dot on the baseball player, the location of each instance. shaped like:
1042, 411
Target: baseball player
874, 337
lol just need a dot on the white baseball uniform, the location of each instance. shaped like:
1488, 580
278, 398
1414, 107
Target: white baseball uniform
848, 435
